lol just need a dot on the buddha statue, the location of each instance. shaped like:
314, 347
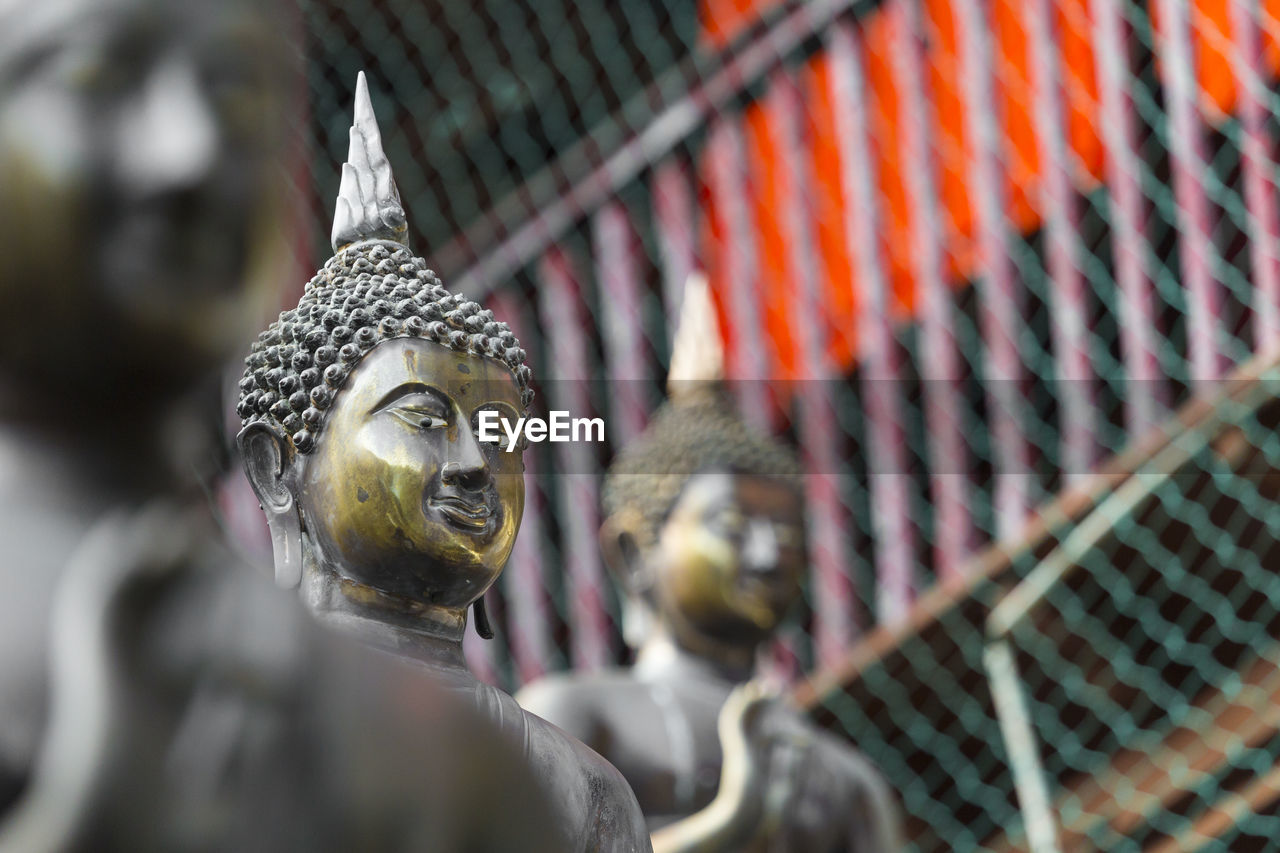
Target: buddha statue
156, 693
360, 411
704, 533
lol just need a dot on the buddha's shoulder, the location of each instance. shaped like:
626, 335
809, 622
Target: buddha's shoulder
548, 742
592, 794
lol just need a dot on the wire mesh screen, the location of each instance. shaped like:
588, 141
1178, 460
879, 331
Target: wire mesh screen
963, 253
1146, 652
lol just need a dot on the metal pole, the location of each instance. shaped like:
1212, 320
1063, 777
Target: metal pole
1020, 742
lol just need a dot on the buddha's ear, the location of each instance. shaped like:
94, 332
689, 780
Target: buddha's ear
265, 452
268, 460
620, 538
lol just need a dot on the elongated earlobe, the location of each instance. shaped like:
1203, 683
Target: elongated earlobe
483, 627
286, 550
622, 555
621, 551
266, 456
637, 622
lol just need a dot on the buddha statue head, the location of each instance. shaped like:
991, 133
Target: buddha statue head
139, 142
360, 410
704, 516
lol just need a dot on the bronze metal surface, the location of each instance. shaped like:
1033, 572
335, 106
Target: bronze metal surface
400, 495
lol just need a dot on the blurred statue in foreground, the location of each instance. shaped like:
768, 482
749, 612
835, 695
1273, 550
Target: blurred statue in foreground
361, 409
704, 530
154, 694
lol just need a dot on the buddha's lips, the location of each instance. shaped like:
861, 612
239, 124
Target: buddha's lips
465, 513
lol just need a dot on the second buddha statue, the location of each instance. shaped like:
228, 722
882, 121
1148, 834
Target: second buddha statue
704, 532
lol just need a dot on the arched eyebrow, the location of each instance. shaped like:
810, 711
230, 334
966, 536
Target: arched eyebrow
404, 389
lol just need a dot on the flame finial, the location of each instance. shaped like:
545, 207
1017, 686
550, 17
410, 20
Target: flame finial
368, 202
697, 357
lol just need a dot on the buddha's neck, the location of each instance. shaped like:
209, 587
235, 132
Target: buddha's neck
427, 634
663, 653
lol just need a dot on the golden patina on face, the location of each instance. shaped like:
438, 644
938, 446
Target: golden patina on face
728, 560
399, 494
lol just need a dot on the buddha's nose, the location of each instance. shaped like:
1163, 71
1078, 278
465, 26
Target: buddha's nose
466, 465
169, 137
760, 546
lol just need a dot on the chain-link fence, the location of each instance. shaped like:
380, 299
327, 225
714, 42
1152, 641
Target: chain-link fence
963, 253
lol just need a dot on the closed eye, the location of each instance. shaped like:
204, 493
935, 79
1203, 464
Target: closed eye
421, 408
419, 419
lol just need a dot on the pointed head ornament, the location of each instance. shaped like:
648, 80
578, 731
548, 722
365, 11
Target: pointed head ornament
697, 356
368, 201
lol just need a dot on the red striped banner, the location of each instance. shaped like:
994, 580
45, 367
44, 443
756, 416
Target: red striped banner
1194, 219
578, 511
834, 626
746, 360
999, 291
617, 256
1073, 367
673, 221
1146, 389
879, 366
1259, 191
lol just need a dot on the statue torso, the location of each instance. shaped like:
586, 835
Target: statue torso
660, 730
591, 800
659, 733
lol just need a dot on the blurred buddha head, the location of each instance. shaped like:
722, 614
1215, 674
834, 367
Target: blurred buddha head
361, 408
139, 144
704, 522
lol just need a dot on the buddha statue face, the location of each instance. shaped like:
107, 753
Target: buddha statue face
138, 139
704, 529
360, 410
399, 494
728, 561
